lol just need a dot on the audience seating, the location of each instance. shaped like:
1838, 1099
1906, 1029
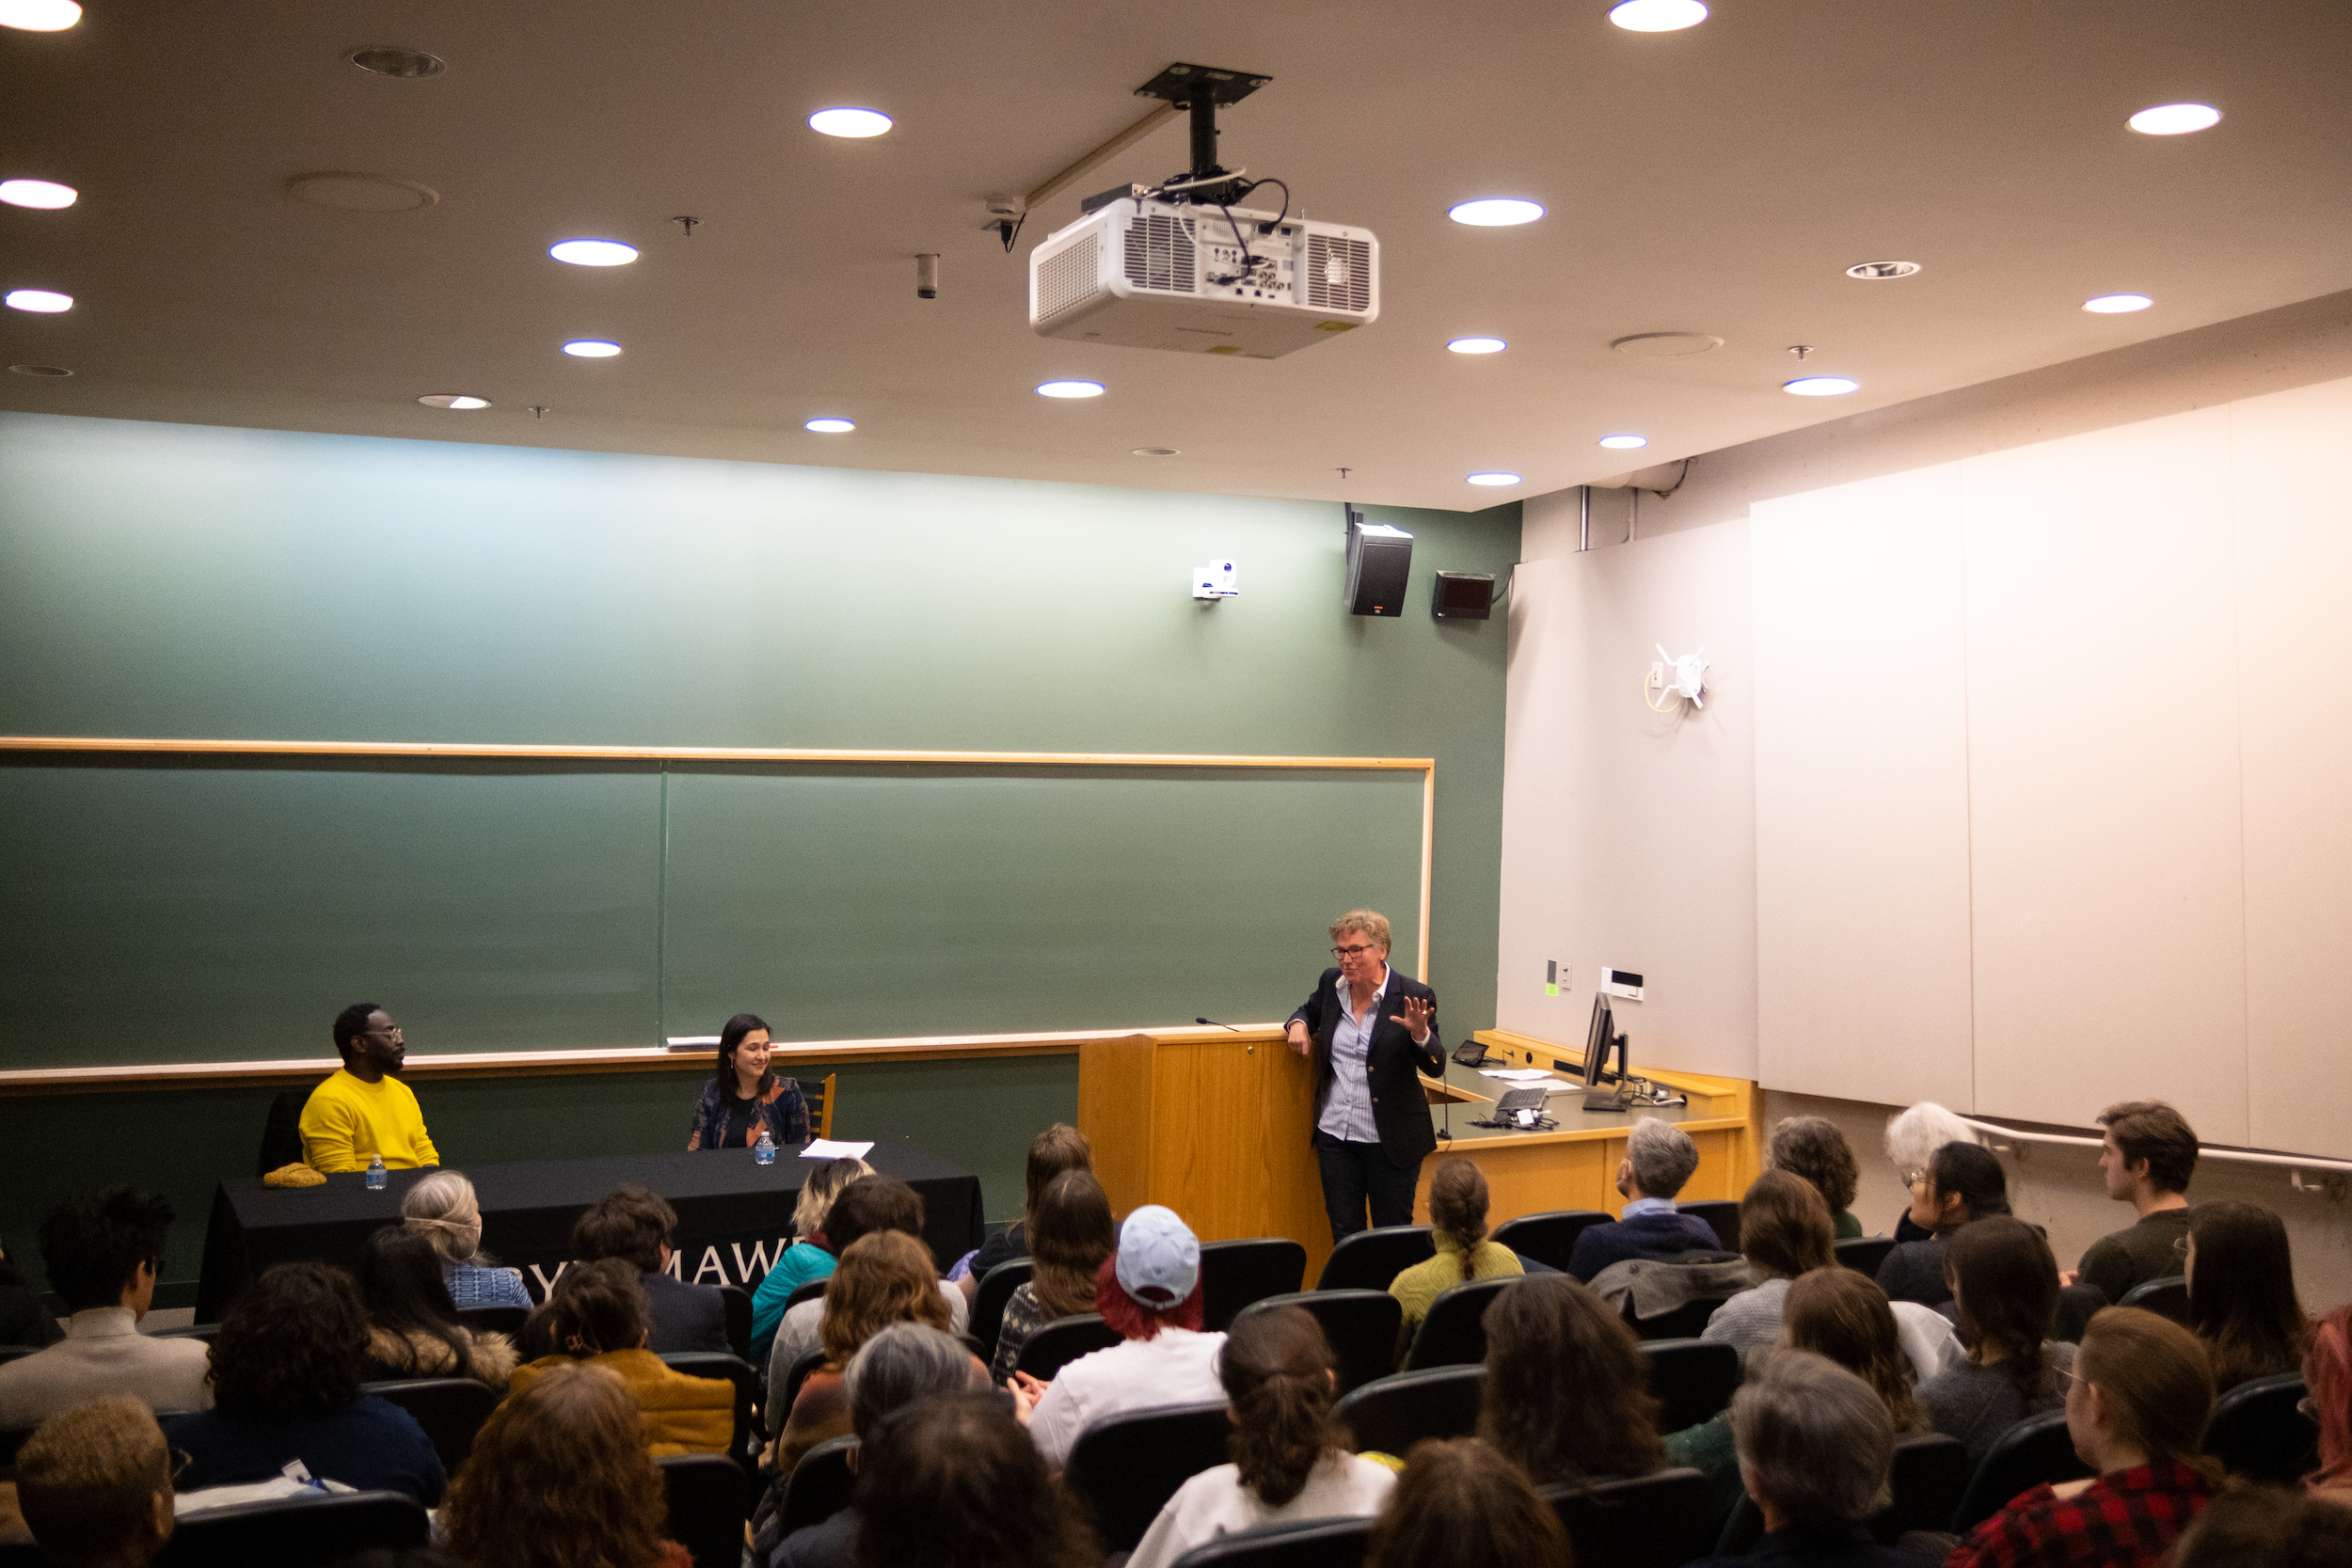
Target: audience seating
1234, 1274
1317, 1544
813, 1290
1361, 1327
735, 1301
1455, 1333
1864, 1254
710, 1499
2261, 1435
1548, 1237
450, 1410
1721, 1212
2036, 1449
1371, 1259
794, 1376
987, 1304
296, 1532
2077, 1305
1389, 1415
1929, 1480
2166, 1297
819, 1486
1693, 1381
1655, 1521
496, 1319
1056, 1344
1123, 1468
706, 1363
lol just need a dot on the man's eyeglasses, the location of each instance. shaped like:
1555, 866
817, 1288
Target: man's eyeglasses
1354, 952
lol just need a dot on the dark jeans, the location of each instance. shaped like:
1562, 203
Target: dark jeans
1352, 1173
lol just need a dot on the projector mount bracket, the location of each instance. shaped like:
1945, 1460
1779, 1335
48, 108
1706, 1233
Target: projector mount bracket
1202, 89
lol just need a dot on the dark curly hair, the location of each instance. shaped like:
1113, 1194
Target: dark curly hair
1813, 1148
954, 1480
93, 1247
560, 1478
400, 1279
595, 1308
1275, 1367
1567, 1386
293, 1343
350, 1023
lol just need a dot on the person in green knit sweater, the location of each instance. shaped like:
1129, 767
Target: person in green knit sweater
1457, 1213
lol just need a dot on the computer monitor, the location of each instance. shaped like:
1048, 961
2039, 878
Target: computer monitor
1599, 1040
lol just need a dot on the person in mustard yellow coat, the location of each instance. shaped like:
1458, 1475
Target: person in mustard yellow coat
596, 1314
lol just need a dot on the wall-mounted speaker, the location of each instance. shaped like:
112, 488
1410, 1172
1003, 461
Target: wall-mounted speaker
1379, 560
1463, 597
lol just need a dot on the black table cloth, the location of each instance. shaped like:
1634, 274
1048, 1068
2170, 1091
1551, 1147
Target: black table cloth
735, 1216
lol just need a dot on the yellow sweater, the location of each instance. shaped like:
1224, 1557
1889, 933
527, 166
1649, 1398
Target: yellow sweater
678, 1414
347, 1122
1421, 1284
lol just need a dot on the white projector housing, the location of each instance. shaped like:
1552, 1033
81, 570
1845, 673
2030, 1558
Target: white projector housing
1144, 274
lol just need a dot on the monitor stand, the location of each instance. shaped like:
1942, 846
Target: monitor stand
1613, 1097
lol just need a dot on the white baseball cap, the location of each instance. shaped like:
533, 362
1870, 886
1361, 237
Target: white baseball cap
1159, 1257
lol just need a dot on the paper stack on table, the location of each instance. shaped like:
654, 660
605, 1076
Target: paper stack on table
825, 1148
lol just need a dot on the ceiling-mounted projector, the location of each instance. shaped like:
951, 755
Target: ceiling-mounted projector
1140, 273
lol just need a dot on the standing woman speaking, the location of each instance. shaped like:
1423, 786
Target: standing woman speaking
1369, 1029
745, 1096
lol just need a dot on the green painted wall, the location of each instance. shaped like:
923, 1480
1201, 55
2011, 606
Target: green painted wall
175, 580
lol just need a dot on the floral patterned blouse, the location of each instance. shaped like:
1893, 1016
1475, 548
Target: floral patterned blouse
723, 1123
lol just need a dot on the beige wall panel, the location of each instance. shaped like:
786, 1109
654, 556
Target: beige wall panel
1861, 792
1628, 837
2292, 492
2107, 878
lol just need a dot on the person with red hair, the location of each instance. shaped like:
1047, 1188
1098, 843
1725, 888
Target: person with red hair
2328, 1376
1150, 1291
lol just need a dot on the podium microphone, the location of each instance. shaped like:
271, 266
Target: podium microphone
1236, 1028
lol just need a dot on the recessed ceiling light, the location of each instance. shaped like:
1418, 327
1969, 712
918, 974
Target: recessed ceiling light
594, 253
1154, 452
39, 16
2117, 305
42, 301
1624, 443
592, 348
1822, 386
829, 427
850, 123
2174, 119
1658, 16
347, 191
1872, 271
1667, 346
1070, 389
1478, 346
39, 370
1495, 212
453, 399
36, 193
390, 59
1494, 478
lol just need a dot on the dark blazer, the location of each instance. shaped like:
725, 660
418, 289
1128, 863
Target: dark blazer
685, 1317
1400, 1112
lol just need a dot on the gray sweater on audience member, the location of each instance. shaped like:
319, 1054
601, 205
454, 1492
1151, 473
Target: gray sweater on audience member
1750, 1319
1977, 1404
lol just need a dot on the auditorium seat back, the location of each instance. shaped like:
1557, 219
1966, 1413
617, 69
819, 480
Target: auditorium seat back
1389, 1415
1317, 1544
1548, 1237
704, 1362
1864, 1254
1655, 1521
1123, 1468
1723, 1214
1359, 1325
794, 1376
1234, 1274
295, 1532
1455, 1333
709, 1498
2259, 1432
813, 1290
736, 1303
820, 1485
450, 1410
1371, 1259
1058, 1343
1692, 1380
2036, 1449
2166, 1297
988, 1303
496, 1319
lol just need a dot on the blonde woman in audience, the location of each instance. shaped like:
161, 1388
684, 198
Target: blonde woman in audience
444, 1210
1072, 1234
95, 1485
560, 1478
809, 1258
1813, 1148
1784, 1233
1463, 1504
884, 1279
1913, 1136
1292, 1459
596, 1314
1457, 1217
1059, 1148
1568, 1388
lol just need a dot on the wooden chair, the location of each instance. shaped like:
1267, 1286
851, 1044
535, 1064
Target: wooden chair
710, 1499
818, 1097
296, 1532
2036, 1449
450, 1410
2259, 1432
1723, 1214
1455, 1333
1693, 1381
1371, 1259
1058, 1343
819, 1486
1317, 1544
1234, 1274
1655, 1521
1864, 1254
1548, 1237
1359, 1325
1391, 1413
987, 1304
1123, 1468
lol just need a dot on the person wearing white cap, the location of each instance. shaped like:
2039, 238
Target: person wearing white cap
1150, 1290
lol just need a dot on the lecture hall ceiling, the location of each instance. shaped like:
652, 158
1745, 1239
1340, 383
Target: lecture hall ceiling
1715, 181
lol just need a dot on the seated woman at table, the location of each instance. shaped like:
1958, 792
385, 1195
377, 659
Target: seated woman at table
596, 1314
413, 1330
1071, 1231
887, 1278
810, 1257
444, 1209
745, 1096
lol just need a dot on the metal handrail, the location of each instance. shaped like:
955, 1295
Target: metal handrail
2294, 1163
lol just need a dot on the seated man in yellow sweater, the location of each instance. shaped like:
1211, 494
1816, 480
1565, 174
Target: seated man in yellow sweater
365, 1110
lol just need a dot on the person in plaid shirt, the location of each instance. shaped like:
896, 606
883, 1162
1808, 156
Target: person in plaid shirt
2138, 1401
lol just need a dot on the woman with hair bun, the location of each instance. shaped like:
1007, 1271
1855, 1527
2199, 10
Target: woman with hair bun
444, 1210
1291, 1456
1457, 1215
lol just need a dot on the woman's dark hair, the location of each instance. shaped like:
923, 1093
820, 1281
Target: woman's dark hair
595, 1308
560, 1478
1567, 1386
955, 1480
869, 1204
1462, 1504
1813, 1148
93, 1247
2241, 1299
293, 1343
1457, 1206
2005, 1280
1784, 1228
1975, 1173
2267, 1525
729, 1038
1843, 1315
1060, 1148
1070, 1234
400, 1280
1277, 1367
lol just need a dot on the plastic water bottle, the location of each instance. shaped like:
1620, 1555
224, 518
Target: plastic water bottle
764, 1151
375, 1174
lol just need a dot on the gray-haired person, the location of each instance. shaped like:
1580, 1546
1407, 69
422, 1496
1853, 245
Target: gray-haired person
897, 1367
1815, 1445
1658, 1159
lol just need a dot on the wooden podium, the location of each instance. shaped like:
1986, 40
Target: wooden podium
1214, 1124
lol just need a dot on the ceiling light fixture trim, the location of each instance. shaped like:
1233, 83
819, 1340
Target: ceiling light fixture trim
41, 195
1624, 443
39, 16
1658, 16
594, 253
591, 348
2174, 119
41, 302
48, 371
1879, 272
393, 60
1478, 346
465, 401
2117, 305
852, 123
1495, 212
1495, 478
1822, 386
829, 427
1070, 389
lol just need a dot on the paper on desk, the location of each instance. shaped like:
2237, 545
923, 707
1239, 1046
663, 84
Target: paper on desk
1515, 1075
825, 1148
